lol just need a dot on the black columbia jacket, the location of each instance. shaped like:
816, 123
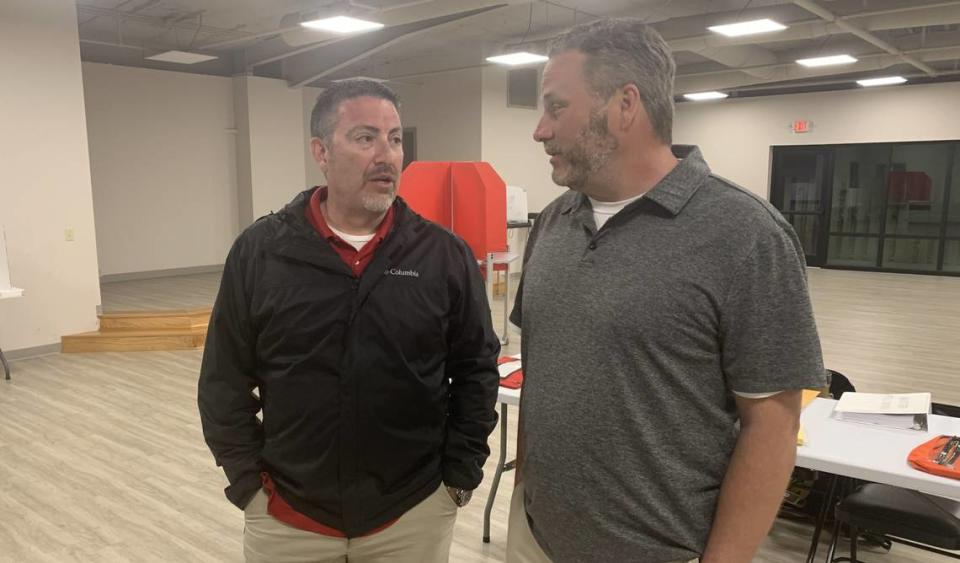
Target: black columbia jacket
373, 389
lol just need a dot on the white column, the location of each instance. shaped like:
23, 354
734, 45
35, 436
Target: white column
270, 168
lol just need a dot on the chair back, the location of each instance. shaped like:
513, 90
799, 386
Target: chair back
839, 384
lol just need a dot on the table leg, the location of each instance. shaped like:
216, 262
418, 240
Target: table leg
833, 541
501, 467
822, 517
489, 280
6, 366
505, 339
854, 532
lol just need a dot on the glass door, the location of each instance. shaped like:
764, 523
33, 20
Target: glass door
859, 195
801, 191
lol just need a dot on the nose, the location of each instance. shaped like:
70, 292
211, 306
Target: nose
385, 150
542, 132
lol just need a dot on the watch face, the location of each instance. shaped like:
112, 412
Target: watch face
463, 497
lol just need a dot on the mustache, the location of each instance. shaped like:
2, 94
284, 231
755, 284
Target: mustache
551, 149
383, 170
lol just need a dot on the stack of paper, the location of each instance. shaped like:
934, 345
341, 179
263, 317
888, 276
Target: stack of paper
900, 410
507, 368
808, 396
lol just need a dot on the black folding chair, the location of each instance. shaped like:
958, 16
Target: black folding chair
899, 515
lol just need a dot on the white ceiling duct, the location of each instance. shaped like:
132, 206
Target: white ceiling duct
827, 15
731, 79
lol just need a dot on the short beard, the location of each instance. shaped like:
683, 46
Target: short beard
590, 152
378, 203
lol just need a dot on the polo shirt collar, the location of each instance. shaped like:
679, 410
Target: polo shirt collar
675, 189
678, 186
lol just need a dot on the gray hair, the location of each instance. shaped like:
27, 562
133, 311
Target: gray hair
626, 51
323, 119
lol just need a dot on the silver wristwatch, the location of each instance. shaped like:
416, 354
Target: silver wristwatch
461, 496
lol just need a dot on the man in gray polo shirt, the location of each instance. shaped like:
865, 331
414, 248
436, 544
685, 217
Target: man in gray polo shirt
660, 306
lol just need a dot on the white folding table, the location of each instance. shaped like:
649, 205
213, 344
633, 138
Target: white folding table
868, 452
846, 449
506, 397
10, 293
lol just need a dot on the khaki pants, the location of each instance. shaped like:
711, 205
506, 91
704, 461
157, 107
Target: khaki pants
422, 535
521, 545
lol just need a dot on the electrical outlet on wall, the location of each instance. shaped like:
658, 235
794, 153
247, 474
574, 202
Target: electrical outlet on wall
68, 235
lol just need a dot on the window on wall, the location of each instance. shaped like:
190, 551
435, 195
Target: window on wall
856, 211
409, 146
883, 206
802, 176
916, 185
523, 88
951, 254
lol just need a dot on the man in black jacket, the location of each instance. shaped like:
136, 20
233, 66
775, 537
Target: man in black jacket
366, 332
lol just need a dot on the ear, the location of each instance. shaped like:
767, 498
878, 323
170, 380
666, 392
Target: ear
629, 106
320, 153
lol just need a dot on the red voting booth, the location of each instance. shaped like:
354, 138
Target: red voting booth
469, 198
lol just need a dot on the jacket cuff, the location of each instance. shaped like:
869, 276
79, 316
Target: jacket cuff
243, 489
462, 476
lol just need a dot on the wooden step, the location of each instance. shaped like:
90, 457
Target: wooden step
140, 331
182, 319
134, 341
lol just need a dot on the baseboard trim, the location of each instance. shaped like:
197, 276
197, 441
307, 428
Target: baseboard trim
152, 274
33, 352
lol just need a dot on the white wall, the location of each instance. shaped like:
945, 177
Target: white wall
182, 162
459, 116
45, 176
163, 160
445, 108
275, 114
313, 176
736, 135
508, 143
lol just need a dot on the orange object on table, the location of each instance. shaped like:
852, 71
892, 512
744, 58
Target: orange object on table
924, 458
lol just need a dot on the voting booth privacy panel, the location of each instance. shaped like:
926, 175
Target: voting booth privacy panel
6, 289
469, 198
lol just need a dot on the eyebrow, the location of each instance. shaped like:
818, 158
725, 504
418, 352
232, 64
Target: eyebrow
370, 129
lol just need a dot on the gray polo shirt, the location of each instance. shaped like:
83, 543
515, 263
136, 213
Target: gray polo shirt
634, 338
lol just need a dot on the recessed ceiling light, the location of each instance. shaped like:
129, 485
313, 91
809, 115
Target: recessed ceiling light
371, 78
181, 57
747, 28
703, 96
514, 59
884, 81
827, 61
342, 24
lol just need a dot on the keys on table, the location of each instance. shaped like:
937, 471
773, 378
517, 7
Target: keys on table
949, 453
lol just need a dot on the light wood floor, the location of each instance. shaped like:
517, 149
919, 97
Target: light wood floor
178, 292
102, 459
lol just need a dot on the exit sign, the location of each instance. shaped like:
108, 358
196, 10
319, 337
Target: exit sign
801, 126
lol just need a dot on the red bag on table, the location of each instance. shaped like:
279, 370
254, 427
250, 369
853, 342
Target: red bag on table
510, 378
924, 458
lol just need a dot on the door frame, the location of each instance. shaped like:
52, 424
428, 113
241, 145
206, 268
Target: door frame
819, 256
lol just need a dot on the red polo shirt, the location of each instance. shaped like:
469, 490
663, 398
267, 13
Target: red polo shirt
357, 260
